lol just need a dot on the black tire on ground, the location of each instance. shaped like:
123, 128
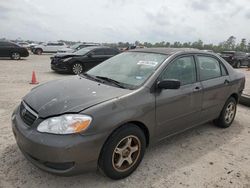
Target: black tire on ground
227, 114
245, 100
15, 56
38, 51
77, 68
238, 64
119, 157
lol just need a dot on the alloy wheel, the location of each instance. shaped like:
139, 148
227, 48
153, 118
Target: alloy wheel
230, 112
77, 68
126, 153
15, 56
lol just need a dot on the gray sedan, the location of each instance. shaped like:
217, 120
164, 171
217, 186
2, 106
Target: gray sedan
107, 117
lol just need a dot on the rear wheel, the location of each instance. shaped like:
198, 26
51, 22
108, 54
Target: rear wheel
123, 152
38, 51
227, 114
15, 56
238, 64
77, 68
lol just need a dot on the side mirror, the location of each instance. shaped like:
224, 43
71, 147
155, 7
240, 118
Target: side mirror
169, 84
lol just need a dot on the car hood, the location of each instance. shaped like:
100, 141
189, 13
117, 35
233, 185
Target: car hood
70, 95
65, 55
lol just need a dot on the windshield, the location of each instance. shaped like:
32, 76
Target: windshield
131, 69
75, 46
82, 51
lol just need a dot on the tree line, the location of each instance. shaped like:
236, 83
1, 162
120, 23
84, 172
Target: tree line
229, 44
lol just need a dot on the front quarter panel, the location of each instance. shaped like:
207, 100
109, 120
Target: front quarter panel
138, 106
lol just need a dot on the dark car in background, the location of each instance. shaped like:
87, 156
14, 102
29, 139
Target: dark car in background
81, 60
12, 50
235, 58
105, 118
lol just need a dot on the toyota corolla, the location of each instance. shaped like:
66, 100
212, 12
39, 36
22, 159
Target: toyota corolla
106, 118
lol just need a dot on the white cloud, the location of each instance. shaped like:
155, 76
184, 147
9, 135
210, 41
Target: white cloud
125, 20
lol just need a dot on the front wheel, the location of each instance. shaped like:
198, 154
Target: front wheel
38, 51
77, 68
15, 56
123, 152
227, 114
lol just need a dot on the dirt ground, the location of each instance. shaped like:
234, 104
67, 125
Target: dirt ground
205, 156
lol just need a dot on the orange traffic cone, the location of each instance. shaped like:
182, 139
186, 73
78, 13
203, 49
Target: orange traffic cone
33, 79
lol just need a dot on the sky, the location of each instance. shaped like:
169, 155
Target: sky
212, 21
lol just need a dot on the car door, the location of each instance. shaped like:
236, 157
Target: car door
58, 46
50, 47
215, 82
2, 49
244, 59
97, 56
179, 109
110, 52
5, 49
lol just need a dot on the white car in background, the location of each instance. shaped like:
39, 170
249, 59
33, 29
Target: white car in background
50, 47
76, 47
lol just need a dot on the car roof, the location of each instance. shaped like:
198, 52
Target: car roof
166, 51
95, 47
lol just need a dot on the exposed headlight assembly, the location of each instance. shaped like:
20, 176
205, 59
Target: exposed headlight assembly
65, 124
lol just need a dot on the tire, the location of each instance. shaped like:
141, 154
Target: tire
38, 51
116, 155
77, 68
227, 114
238, 64
15, 56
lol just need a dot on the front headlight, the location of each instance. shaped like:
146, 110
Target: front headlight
65, 124
67, 59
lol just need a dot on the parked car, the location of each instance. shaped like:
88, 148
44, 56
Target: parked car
133, 47
12, 50
31, 46
248, 59
235, 58
107, 117
76, 47
81, 60
50, 47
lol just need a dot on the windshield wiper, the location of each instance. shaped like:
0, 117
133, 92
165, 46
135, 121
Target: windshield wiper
110, 80
91, 77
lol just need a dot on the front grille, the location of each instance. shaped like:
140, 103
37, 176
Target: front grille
27, 114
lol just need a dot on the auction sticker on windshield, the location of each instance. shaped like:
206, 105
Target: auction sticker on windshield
148, 63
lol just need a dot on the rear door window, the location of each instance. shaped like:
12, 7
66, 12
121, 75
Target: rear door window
209, 67
110, 51
223, 70
98, 52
